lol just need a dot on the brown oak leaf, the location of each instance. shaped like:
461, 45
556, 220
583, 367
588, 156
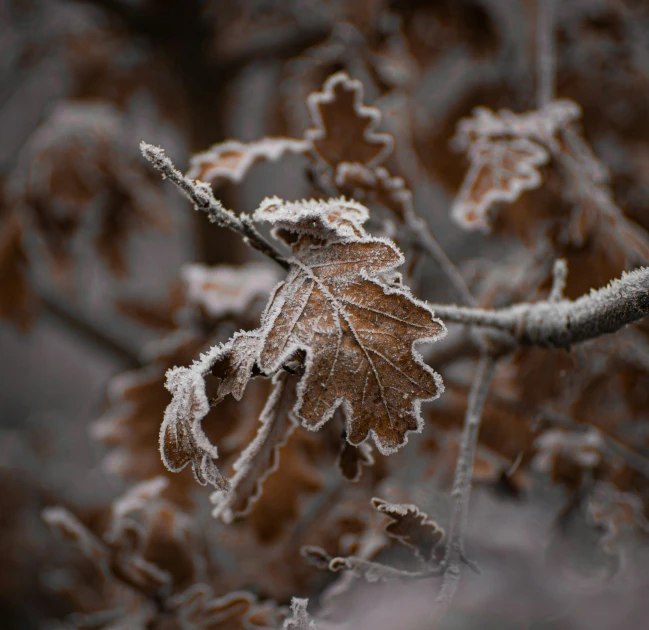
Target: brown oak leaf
500, 171
344, 127
358, 336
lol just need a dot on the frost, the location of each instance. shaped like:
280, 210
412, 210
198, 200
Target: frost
323, 220
300, 618
182, 440
344, 127
231, 160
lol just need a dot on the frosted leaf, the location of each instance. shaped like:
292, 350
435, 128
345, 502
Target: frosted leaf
377, 185
352, 460
231, 160
345, 128
182, 438
227, 290
323, 220
541, 125
411, 527
261, 457
500, 171
180, 442
300, 618
358, 335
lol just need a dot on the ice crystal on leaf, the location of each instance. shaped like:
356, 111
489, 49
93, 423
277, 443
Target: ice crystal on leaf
344, 127
322, 220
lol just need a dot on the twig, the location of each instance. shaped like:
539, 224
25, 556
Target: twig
562, 324
462, 480
559, 277
545, 53
425, 239
201, 195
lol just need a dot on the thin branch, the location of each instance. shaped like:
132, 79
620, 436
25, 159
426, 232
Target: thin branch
559, 278
201, 195
545, 53
562, 324
425, 239
462, 480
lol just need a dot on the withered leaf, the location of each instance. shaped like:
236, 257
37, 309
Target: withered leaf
500, 171
358, 335
182, 440
344, 127
231, 160
411, 527
261, 457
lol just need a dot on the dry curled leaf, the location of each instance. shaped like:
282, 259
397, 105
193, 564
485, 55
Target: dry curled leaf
260, 458
344, 127
411, 527
500, 171
231, 160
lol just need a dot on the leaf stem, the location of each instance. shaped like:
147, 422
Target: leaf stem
203, 198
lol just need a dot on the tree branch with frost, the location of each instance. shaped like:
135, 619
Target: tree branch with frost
203, 199
560, 324
461, 491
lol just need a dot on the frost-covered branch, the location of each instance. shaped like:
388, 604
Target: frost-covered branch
201, 195
462, 479
564, 323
